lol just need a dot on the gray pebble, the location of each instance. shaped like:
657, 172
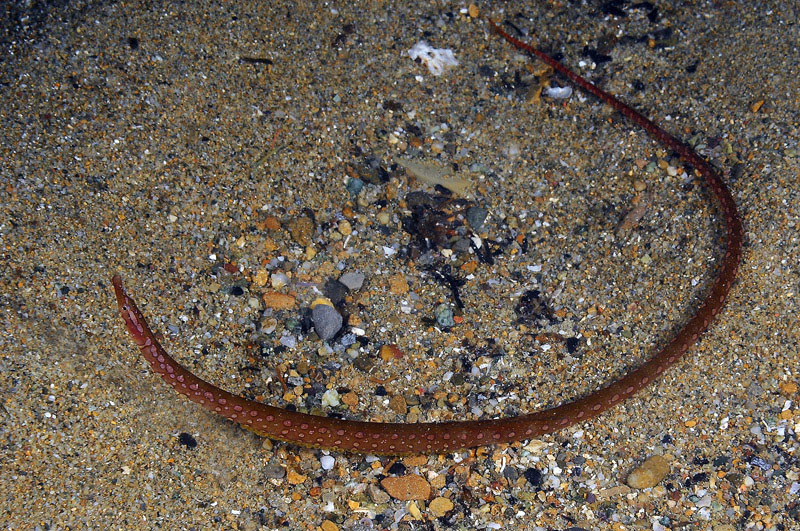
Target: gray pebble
288, 340
444, 315
461, 245
377, 495
354, 186
476, 215
274, 471
352, 280
295, 380
510, 473
348, 339
327, 321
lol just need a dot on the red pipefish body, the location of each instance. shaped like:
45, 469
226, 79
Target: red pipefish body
404, 438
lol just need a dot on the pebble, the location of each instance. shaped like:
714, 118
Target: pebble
649, 474
260, 278
364, 363
405, 488
272, 223
534, 476
345, 228
440, 506
269, 244
377, 495
321, 300
303, 367
350, 399
476, 215
398, 285
278, 301
187, 440
444, 316
274, 471
390, 352
414, 460
327, 525
236, 291
278, 280
294, 478
371, 170
288, 340
354, 186
327, 321
462, 245
613, 492
511, 473
336, 291
327, 462
413, 510
353, 280
398, 404
301, 230
330, 398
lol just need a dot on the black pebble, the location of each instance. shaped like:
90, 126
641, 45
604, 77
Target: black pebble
237, 291
187, 440
721, 461
335, 291
486, 71
533, 476
572, 344
611, 8
398, 469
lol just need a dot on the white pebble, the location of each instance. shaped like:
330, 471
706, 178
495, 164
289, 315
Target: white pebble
327, 462
278, 280
288, 340
436, 59
330, 398
559, 92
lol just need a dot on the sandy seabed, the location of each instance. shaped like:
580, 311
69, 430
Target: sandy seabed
214, 154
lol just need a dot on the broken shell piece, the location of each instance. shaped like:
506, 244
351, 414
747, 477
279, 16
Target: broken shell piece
436, 59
